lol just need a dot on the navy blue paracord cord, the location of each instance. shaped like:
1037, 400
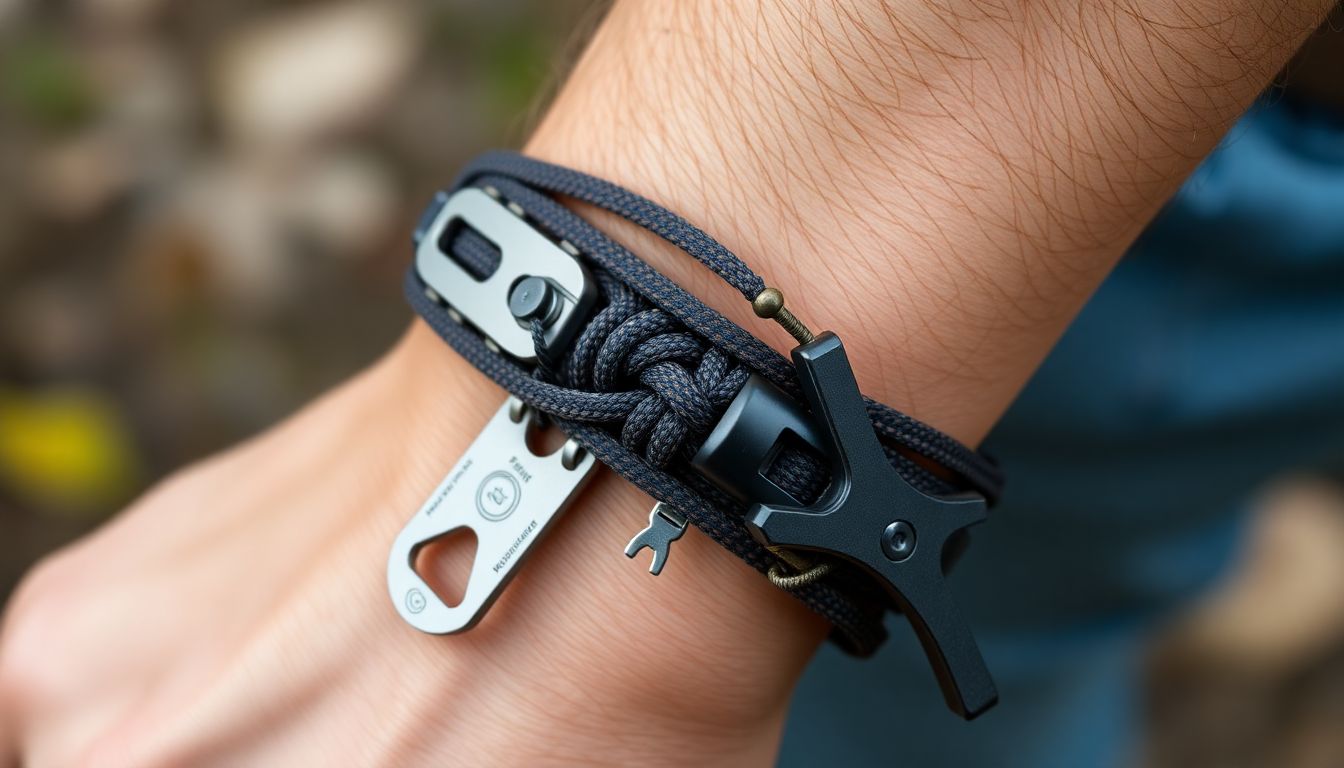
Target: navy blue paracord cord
648, 378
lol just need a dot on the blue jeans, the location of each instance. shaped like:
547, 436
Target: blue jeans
1212, 359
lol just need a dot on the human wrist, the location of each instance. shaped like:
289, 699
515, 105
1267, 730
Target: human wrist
709, 649
956, 319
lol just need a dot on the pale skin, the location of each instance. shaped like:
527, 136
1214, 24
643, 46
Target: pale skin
941, 183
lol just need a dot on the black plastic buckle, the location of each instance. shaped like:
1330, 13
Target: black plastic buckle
869, 516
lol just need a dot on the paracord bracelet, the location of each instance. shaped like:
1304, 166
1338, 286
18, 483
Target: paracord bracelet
644, 381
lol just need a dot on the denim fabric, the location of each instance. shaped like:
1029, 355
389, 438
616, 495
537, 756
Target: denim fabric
1212, 359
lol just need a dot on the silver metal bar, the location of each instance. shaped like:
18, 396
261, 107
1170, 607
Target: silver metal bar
524, 252
508, 497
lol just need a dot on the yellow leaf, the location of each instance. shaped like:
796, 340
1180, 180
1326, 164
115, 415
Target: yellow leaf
65, 450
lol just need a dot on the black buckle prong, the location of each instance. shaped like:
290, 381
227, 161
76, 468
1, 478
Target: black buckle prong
874, 518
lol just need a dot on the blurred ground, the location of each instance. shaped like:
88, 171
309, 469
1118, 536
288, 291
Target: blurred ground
204, 217
203, 223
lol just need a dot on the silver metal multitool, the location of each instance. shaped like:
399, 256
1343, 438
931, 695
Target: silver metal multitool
508, 497
500, 490
666, 525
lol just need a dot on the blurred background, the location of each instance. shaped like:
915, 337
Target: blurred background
204, 218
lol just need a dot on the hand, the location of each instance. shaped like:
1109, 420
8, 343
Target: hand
238, 614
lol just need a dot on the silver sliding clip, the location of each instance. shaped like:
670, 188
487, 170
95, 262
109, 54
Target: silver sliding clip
536, 279
500, 490
508, 497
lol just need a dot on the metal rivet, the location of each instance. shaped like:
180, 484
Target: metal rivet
572, 454
533, 299
898, 541
517, 410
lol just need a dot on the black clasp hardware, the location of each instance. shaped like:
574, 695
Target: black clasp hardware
869, 516
872, 517
743, 445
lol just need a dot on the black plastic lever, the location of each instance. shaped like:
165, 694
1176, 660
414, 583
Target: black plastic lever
872, 517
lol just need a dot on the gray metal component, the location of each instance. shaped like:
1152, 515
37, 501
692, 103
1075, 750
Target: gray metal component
666, 525
428, 216
859, 518
571, 453
533, 299
898, 541
507, 496
524, 252
744, 443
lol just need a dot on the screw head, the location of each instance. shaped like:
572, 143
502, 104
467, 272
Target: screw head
898, 541
768, 303
532, 299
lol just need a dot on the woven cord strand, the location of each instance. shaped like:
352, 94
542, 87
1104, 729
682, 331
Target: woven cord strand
856, 617
977, 470
654, 369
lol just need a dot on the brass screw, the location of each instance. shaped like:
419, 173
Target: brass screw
769, 305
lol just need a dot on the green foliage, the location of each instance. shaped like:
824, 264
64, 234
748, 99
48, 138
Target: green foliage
509, 56
42, 81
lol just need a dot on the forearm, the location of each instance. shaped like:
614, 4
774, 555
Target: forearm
943, 184
943, 192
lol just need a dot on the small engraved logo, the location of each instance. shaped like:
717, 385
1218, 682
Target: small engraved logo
498, 496
415, 600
